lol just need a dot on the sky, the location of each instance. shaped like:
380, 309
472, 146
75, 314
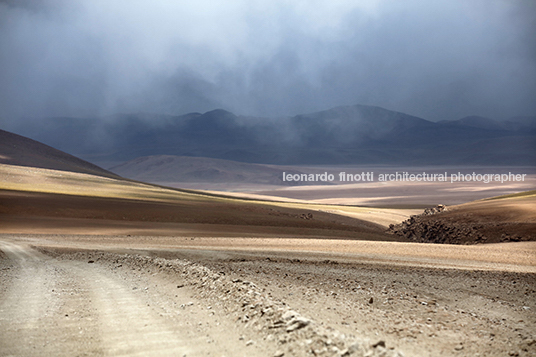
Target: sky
439, 60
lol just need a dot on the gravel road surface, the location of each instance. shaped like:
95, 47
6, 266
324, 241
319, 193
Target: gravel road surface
116, 301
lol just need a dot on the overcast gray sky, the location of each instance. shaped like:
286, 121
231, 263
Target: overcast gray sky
438, 59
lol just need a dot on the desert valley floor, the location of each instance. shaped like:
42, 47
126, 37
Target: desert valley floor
99, 266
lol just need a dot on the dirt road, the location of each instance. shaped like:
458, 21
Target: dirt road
97, 297
52, 307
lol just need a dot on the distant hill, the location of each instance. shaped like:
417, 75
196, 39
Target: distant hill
344, 135
21, 151
169, 168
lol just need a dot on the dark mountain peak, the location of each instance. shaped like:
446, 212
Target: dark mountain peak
218, 116
212, 120
373, 110
354, 125
219, 113
363, 113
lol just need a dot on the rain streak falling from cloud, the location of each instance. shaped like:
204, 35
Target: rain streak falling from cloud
438, 60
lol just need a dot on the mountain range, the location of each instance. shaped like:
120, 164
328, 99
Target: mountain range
344, 135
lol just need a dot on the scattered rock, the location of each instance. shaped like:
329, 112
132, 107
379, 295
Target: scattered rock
297, 323
289, 315
380, 343
434, 210
306, 216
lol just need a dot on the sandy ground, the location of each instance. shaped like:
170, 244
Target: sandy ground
393, 194
401, 194
90, 295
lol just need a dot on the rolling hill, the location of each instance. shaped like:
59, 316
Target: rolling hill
21, 151
45, 190
169, 168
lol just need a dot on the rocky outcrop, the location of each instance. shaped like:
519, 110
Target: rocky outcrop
440, 225
434, 210
420, 229
417, 230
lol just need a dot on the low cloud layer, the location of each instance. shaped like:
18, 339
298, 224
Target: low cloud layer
438, 60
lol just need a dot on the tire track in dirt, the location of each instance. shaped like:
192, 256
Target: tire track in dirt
108, 304
24, 309
69, 308
128, 326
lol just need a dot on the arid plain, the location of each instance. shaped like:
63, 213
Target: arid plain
95, 265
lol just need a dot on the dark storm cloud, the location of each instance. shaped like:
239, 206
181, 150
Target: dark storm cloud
439, 60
